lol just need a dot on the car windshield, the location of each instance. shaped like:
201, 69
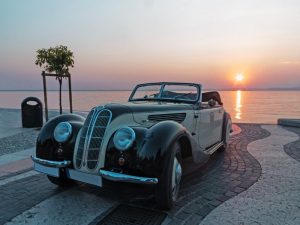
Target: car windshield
166, 92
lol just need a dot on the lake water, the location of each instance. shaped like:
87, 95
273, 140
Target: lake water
244, 106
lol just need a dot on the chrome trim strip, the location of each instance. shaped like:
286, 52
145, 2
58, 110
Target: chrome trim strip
100, 110
214, 148
91, 129
119, 177
57, 164
85, 126
86, 145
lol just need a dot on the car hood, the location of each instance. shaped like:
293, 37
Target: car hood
138, 107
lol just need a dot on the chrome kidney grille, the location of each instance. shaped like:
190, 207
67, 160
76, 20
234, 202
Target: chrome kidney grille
91, 138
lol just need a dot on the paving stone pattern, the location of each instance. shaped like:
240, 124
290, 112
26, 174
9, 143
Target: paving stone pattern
293, 149
19, 196
274, 198
18, 142
223, 177
226, 175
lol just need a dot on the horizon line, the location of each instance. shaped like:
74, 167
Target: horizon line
208, 89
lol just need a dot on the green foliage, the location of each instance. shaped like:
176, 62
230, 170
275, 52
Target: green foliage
57, 59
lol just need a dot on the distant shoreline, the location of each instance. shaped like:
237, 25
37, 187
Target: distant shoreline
249, 89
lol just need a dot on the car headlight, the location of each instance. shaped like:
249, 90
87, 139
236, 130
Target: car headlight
62, 132
124, 138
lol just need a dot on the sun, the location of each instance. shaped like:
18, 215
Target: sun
239, 77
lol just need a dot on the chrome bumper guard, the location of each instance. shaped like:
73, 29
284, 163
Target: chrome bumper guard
119, 177
56, 164
54, 168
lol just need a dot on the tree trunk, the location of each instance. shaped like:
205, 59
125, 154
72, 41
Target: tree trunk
60, 106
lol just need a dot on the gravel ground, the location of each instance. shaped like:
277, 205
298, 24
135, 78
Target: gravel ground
18, 142
13, 137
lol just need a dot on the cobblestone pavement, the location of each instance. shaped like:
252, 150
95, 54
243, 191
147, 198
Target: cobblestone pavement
21, 195
223, 177
293, 149
275, 198
227, 175
18, 142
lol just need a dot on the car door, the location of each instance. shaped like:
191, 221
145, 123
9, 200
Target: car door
205, 126
209, 125
218, 124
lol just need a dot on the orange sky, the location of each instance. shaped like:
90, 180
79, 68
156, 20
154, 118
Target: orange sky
120, 43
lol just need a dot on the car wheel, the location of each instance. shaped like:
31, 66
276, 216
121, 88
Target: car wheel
169, 182
226, 136
60, 181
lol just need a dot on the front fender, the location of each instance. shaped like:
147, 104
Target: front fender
147, 155
46, 146
159, 139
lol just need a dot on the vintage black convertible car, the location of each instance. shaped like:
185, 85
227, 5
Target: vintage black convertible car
163, 131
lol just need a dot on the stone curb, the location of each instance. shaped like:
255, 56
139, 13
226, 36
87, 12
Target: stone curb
289, 122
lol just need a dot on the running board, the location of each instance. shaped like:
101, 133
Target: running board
214, 148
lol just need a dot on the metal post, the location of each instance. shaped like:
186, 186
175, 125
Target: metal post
70, 94
45, 95
45, 90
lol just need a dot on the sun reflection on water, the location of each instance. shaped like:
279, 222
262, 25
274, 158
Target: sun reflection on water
238, 105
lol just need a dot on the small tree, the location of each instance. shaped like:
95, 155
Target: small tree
57, 60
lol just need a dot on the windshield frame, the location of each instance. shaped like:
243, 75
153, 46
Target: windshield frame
162, 87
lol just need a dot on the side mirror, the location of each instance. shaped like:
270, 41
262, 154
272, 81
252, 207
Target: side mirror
212, 103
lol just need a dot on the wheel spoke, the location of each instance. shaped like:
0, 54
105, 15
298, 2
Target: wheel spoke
176, 178
174, 173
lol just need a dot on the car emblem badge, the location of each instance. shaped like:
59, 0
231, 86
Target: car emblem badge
121, 161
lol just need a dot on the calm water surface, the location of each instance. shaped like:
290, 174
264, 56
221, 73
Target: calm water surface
244, 106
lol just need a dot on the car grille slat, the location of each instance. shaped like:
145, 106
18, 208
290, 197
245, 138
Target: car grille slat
178, 117
91, 137
96, 137
82, 139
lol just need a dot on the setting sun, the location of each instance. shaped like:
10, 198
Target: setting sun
239, 77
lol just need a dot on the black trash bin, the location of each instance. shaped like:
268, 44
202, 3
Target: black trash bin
32, 112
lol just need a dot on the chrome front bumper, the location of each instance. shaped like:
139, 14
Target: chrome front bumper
120, 177
56, 164
53, 168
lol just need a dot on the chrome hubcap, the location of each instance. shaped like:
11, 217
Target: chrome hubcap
176, 178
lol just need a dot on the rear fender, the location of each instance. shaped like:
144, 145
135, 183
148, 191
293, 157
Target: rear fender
226, 119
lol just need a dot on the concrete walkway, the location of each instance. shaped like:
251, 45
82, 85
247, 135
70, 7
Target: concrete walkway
81, 207
275, 198
16, 162
10, 122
